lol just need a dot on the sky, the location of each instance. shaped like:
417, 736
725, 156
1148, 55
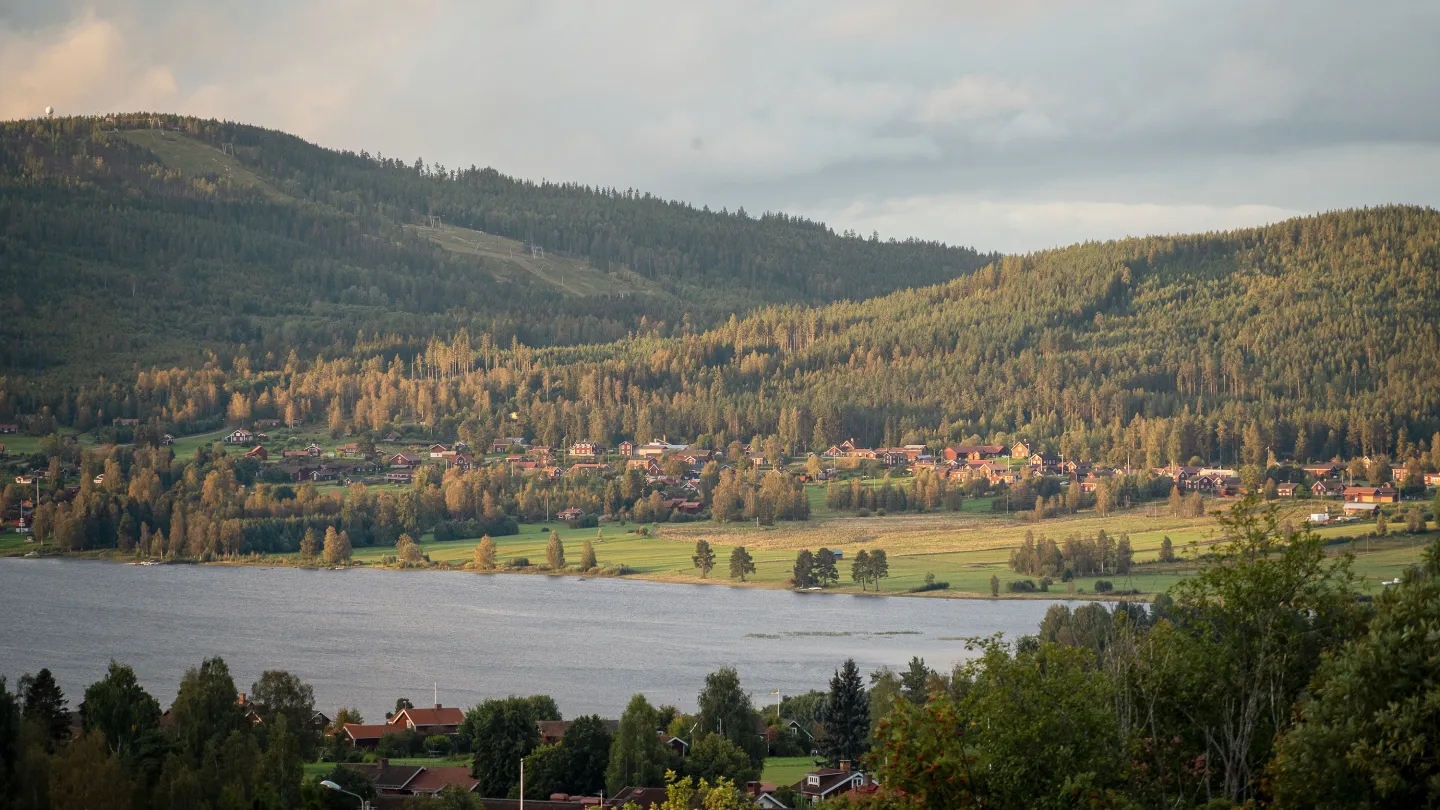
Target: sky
1010, 126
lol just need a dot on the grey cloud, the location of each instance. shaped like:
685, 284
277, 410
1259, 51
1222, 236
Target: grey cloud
994, 124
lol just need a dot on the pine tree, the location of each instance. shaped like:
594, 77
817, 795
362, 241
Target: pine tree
879, 566
860, 568
825, 569
803, 572
704, 558
44, 704
741, 563
555, 552
845, 715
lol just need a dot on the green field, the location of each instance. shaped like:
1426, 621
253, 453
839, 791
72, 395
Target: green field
964, 549
314, 770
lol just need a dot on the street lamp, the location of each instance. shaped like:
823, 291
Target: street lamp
329, 785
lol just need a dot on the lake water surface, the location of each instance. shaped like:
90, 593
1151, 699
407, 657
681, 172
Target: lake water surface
365, 637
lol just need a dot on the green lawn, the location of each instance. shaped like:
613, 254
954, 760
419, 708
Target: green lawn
786, 771
315, 770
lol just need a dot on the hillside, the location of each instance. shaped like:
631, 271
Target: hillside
1308, 339
144, 240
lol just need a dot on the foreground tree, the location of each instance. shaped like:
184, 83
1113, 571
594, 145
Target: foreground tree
725, 709
120, 710
502, 731
714, 756
87, 775
44, 705
281, 694
1366, 735
638, 757
845, 717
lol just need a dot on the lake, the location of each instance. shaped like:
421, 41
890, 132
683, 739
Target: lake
365, 637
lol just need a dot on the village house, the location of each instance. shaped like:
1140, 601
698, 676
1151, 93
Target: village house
589, 468
626, 448
1285, 489
828, 783
1044, 462
261, 424
9, 428
1329, 469
351, 450
127, 423
404, 461
567, 515
392, 437
973, 452
1357, 509
438, 450
1431, 479
429, 721
313, 450
1380, 494
553, 731
98, 480
645, 465
503, 444
167, 440
258, 452
398, 477
1327, 489
588, 449
239, 436
1021, 450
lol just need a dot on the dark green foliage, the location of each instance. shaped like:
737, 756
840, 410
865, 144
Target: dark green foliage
279, 693
803, 572
846, 717
205, 712
637, 755
915, 680
120, 709
44, 704
725, 709
9, 738
741, 563
704, 558
1365, 734
502, 732
716, 756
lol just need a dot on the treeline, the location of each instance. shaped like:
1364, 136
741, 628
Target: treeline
117, 750
1075, 556
924, 491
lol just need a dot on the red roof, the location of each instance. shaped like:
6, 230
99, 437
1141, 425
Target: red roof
363, 732
432, 780
425, 718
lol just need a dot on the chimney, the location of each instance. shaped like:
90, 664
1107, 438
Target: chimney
844, 766
437, 705
382, 762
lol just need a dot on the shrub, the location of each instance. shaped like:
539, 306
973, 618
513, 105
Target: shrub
863, 513
1021, 586
930, 585
1104, 586
520, 562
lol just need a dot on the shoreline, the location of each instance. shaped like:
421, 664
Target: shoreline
113, 558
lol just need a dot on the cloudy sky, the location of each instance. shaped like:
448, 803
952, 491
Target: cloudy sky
1008, 126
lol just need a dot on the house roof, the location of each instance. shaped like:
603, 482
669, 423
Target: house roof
433, 780
387, 776
830, 780
437, 716
358, 731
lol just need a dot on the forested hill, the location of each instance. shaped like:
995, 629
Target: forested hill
136, 240
1308, 339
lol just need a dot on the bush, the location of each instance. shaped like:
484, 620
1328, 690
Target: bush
1045, 583
437, 745
1104, 586
930, 585
519, 562
1021, 586
863, 513
584, 522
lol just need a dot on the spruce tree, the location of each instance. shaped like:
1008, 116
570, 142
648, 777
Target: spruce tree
44, 704
845, 715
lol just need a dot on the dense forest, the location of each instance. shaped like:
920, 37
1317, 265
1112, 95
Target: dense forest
138, 240
1310, 339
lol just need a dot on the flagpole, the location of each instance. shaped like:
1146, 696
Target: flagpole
522, 783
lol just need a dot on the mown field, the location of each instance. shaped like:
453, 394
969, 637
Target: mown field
964, 549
